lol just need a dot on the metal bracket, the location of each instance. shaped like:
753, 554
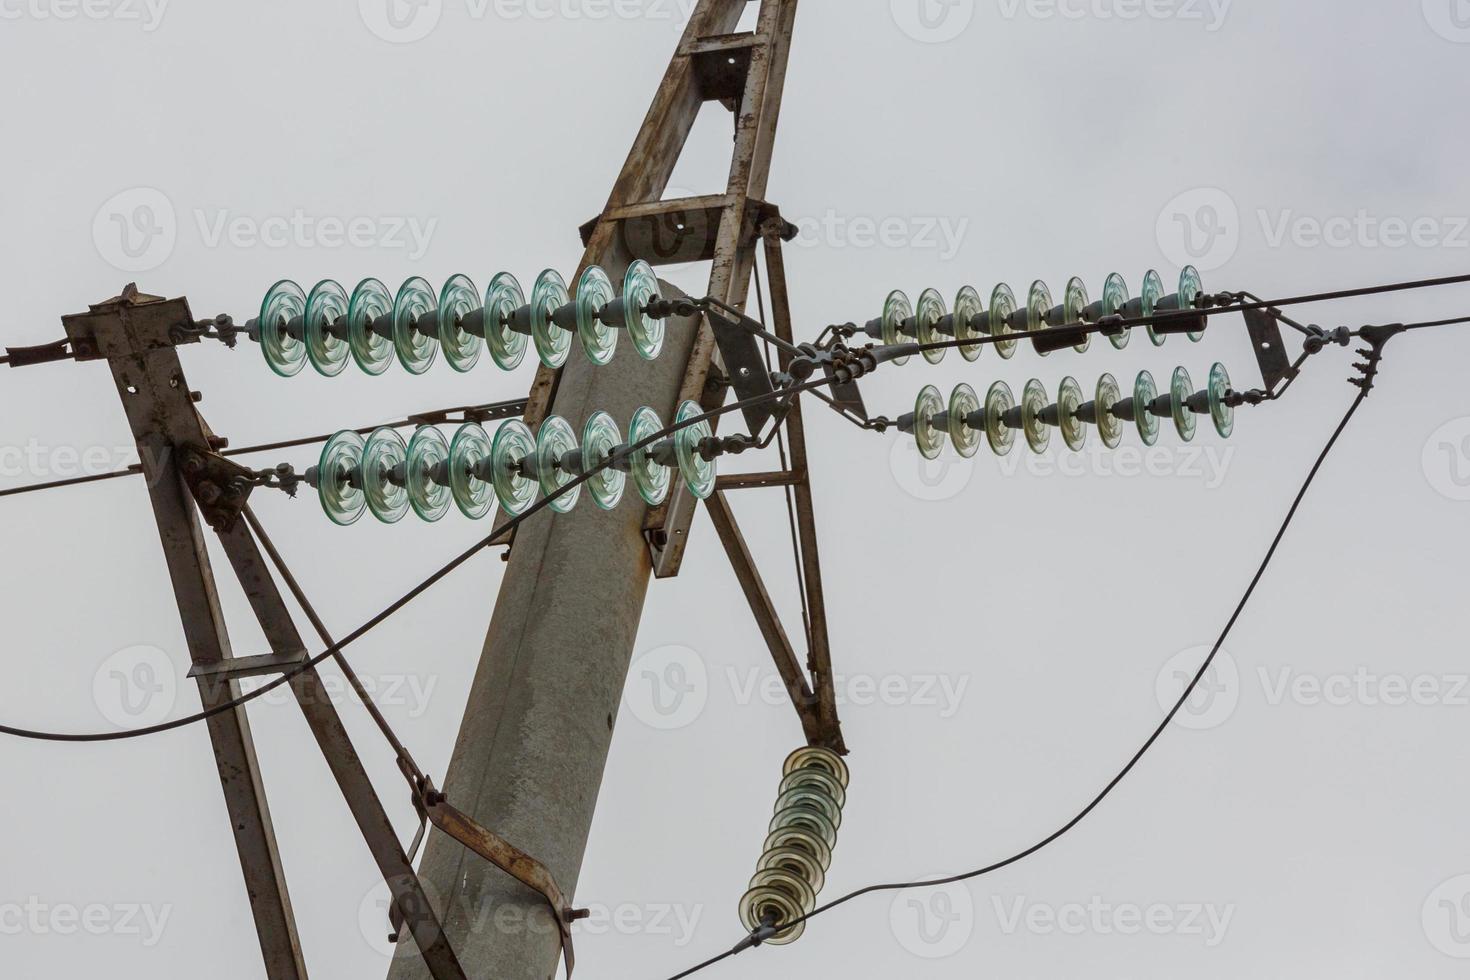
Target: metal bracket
745, 364
1270, 348
220, 487
432, 805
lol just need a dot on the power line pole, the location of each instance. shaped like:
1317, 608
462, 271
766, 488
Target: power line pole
531, 750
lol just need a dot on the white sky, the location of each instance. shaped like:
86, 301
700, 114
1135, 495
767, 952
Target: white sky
1019, 619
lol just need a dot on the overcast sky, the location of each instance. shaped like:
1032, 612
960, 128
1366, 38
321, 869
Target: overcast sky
1006, 631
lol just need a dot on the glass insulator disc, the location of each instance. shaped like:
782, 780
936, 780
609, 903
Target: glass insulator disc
928, 436
547, 296
778, 901
896, 311
1144, 394
1038, 305
502, 298
1190, 288
1180, 390
1109, 426
474, 497
998, 402
283, 303
963, 402
338, 487
800, 839
457, 300
594, 291
927, 314
1074, 301
1114, 298
513, 488
554, 440
371, 350
811, 798
808, 818
1034, 401
1152, 292
416, 350
600, 436
1222, 414
383, 475
651, 477
1002, 305
797, 861
815, 757
820, 779
640, 287
698, 472
428, 474
967, 306
1069, 400
326, 306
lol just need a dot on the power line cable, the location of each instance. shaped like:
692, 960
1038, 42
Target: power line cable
1107, 790
413, 593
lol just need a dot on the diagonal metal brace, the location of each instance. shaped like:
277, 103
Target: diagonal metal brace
500, 852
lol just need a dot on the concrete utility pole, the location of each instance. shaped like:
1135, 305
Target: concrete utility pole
531, 750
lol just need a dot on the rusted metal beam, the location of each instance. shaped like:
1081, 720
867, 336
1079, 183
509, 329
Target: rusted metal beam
132, 332
788, 664
755, 134
137, 335
820, 648
749, 481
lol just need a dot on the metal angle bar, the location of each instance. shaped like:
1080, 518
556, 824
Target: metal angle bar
750, 481
806, 525
734, 261
131, 331
643, 178
341, 756
788, 664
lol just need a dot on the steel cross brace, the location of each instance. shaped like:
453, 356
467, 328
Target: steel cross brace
816, 704
137, 334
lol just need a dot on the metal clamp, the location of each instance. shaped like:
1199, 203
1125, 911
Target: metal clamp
433, 806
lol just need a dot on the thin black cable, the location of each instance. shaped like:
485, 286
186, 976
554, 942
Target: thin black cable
1084, 329
1437, 323
806, 619
136, 469
1137, 756
413, 593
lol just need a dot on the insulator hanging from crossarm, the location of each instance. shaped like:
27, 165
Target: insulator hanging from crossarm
793, 865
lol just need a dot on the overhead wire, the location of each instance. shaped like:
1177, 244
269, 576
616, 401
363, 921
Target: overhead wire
1133, 761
